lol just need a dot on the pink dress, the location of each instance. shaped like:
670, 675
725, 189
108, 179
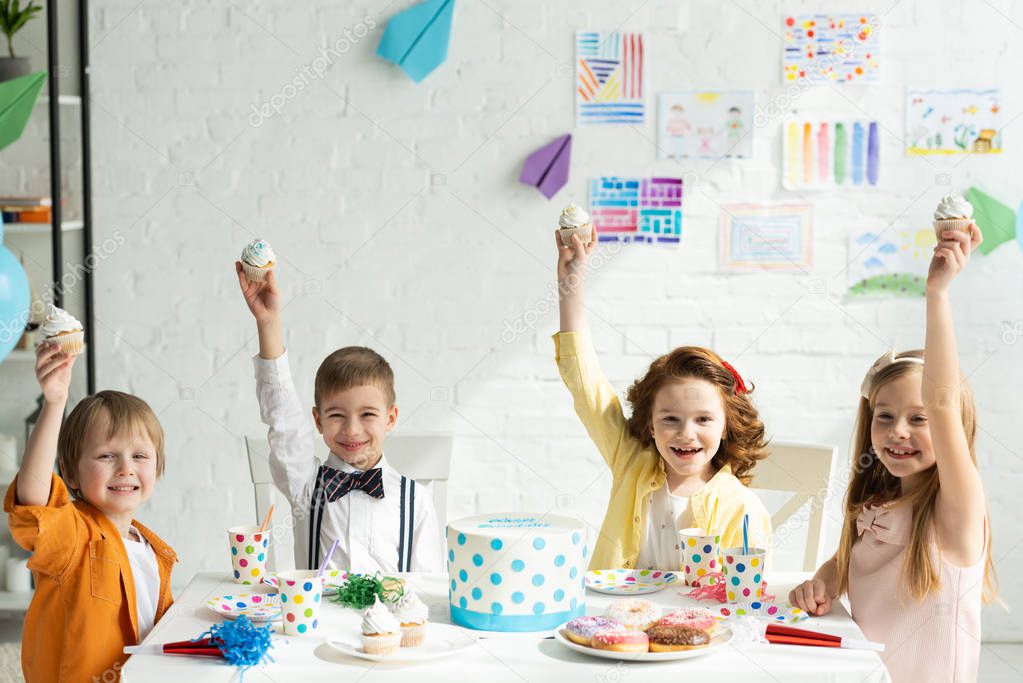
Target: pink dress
936, 639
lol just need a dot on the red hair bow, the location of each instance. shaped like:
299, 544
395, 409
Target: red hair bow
740, 386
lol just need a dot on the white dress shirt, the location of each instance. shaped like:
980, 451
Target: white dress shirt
372, 530
668, 514
146, 575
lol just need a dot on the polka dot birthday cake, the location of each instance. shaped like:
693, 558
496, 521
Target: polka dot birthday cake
516, 572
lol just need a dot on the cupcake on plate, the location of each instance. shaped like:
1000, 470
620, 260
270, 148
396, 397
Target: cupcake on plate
412, 615
258, 259
381, 632
63, 329
953, 213
574, 220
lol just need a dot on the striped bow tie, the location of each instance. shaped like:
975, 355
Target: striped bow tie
337, 484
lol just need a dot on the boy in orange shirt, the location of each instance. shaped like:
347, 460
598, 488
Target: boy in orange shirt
102, 579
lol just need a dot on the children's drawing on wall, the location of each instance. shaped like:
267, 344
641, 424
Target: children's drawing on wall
705, 125
891, 262
961, 121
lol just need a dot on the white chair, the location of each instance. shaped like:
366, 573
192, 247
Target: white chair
807, 472
425, 458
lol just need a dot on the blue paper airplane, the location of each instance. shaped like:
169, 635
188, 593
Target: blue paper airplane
417, 39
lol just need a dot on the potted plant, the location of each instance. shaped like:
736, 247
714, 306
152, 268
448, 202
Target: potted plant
12, 19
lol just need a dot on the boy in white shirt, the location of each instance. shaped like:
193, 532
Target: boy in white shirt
385, 521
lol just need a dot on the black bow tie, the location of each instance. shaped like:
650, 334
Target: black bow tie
337, 484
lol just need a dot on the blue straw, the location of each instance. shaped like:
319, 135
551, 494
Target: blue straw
326, 558
745, 534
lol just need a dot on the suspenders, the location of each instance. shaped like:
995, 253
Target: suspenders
406, 521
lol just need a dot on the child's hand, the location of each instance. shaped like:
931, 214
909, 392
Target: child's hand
262, 298
951, 255
53, 372
811, 597
572, 260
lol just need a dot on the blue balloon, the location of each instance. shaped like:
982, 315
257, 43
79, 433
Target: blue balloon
14, 300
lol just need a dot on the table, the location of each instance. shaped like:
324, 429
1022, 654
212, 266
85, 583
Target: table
512, 657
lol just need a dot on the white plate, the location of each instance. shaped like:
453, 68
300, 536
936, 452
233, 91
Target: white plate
258, 607
628, 581
442, 640
722, 637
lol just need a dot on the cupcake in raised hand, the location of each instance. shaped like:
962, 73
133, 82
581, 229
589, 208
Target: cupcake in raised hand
64, 330
381, 632
953, 213
575, 221
258, 259
412, 615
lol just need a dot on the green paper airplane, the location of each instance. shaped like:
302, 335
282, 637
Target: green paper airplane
17, 98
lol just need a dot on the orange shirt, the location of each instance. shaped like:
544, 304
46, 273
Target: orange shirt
83, 611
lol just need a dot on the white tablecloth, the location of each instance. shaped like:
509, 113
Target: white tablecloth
506, 657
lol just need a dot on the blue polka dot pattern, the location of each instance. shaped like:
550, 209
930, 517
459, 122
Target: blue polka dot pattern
453, 585
575, 538
538, 579
518, 597
756, 578
735, 580
234, 551
496, 544
584, 551
463, 575
572, 603
559, 560
495, 579
462, 602
307, 586
707, 548
461, 539
518, 565
740, 567
696, 557
451, 556
538, 608
559, 595
539, 543
496, 608
477, 594
477, 560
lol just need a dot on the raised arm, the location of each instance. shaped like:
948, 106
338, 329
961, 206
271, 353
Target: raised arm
53, 372
960, 507
264, 302
571, 274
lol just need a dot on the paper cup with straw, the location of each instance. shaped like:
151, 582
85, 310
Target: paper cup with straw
249, 550
301, 592
744, 574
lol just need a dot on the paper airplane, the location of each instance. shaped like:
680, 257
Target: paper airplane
417, 39
547, 167
996, 220
17, 98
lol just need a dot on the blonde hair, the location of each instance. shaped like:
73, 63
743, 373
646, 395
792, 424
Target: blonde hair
353, 366
872, 484
124, 413
742, 443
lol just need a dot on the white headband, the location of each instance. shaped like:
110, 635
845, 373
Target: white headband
881, 363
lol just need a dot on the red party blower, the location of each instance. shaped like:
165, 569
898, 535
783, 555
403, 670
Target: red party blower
786, 635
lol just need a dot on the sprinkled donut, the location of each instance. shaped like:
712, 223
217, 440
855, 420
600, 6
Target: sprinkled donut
691, 617
668, 638
634, 613
581, 629
620, 641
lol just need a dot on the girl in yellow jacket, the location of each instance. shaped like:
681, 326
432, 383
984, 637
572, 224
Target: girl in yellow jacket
682, 457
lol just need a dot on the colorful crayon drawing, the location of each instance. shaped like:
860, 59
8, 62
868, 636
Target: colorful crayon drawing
609, 77
766, 236
959, 121
826, 154
705, 125
890, 263
823, 49
637, 209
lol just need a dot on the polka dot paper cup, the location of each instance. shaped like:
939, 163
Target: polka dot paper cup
699, 553
249, 550
744, 574
301, 593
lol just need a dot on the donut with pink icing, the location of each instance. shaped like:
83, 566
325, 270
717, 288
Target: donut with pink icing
581, 629
620, 641
690, 617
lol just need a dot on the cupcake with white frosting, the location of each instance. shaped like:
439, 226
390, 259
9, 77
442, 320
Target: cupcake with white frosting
575, 221
381, 631
953, 213
258, 259
412, 615
64, 330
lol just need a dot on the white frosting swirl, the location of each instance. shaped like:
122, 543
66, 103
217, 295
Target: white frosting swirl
573, 216
258, 253
58, 320
377, 619
411, 610
953, 206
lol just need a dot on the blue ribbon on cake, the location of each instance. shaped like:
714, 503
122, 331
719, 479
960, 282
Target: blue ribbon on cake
480, 621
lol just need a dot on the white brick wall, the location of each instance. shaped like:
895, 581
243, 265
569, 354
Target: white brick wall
401, 225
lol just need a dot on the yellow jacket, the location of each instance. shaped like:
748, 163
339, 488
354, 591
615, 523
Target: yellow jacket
638, 470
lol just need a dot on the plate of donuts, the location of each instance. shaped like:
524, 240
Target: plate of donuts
628, 581
659, 643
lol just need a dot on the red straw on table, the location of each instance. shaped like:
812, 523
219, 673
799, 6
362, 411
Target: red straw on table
786, 635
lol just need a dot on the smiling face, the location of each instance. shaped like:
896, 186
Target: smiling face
354, 423
898, 430
688, 422
116, 473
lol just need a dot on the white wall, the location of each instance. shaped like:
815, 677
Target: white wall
400, 224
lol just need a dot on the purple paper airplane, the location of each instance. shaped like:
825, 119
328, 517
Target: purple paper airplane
547, 167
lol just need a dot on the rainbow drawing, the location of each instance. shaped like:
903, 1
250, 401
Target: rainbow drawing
827, 154
826, 49
637, 209
609, 77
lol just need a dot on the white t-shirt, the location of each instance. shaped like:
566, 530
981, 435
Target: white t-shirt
666, 516
146, 575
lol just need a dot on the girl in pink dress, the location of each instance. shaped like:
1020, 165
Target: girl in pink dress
915, 554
